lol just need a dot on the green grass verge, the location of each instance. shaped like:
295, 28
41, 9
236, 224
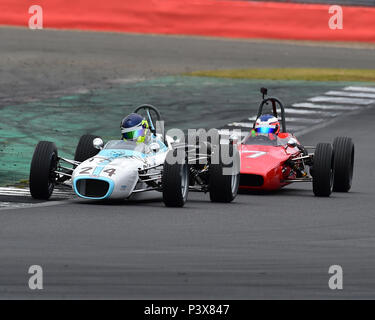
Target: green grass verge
307, 74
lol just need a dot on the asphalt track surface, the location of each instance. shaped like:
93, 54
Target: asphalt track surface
277, 245
38, 64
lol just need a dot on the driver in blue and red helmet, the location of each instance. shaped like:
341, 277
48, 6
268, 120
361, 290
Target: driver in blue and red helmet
135, 128
267, 125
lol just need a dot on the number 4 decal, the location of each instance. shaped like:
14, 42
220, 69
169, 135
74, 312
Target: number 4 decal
110, 172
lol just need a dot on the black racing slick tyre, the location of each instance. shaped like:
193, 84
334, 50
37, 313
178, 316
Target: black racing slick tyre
85, 148
323, 170
343, 149
224, 177
175, 181
42, 170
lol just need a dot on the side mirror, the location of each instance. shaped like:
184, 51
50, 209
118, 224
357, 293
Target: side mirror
155, 147
292, 143
98, 143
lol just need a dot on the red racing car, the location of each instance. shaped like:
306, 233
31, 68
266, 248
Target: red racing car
272, 158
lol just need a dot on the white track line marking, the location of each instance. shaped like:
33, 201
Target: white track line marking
228, 131
241, 124
303, 113
13, 189
310, 112
20, 192
8, 205
342, 100
290, 119
324, 106
12, 193
250, 125
225, 131
351, 94
363, 89
316, 127
323, 124
302, 120
37, 205
27, 193
294, 128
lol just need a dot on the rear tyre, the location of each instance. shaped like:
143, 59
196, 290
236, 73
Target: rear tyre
85, 149
343, 149
42, 170
323, 173
175, 182
224, 178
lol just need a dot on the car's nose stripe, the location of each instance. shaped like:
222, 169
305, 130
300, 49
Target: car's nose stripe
98, 170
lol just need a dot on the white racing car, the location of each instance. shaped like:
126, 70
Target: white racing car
129, 170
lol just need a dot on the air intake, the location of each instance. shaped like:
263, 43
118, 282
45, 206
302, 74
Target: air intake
92, 188
251, 180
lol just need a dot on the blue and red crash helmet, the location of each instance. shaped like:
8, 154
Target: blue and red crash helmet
267, 124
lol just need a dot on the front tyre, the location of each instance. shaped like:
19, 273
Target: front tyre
343, 149
175, 182
85, 148
323, 173
224, 178
42, 170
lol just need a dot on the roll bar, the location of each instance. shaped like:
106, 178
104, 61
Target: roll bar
275, 102
147, 108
